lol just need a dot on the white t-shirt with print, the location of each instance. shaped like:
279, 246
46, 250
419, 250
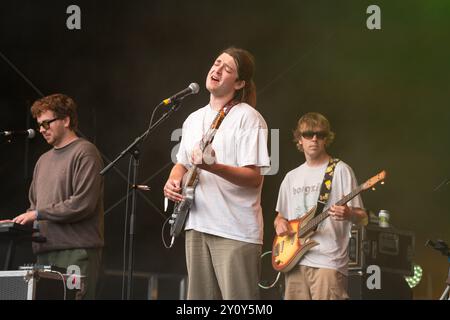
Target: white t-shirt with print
220, 207
299, 192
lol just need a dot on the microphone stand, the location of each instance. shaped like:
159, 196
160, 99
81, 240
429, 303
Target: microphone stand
133, 149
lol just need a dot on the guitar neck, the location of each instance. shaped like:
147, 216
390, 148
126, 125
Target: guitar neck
314, 222
208, 139
191, 175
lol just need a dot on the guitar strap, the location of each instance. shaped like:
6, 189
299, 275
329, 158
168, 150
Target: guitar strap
215, 125
230, 105
325, 189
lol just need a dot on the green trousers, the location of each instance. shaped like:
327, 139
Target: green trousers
88, 260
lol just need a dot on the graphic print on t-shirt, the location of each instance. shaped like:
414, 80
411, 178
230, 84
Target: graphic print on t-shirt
305, 198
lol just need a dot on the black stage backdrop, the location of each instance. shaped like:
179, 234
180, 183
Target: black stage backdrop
385, 92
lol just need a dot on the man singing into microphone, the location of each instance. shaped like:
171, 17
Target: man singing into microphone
224, 230
66, 194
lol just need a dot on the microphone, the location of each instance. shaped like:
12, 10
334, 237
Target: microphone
192, 89
30, 133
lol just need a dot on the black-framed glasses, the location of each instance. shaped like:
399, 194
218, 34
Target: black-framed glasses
310, 134
45, 124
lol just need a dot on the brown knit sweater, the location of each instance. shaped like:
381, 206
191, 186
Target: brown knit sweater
67, 192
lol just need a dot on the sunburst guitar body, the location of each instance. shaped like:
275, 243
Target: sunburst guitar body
288, 250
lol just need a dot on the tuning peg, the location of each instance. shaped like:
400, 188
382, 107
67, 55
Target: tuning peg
382, 182
373, 189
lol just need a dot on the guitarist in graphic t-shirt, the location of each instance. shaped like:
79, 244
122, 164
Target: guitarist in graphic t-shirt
322, 271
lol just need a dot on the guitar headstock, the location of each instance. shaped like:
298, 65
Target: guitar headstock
374, 180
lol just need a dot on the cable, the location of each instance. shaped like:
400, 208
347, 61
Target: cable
151, 122
125, 238
162, 235
63, 281
276, 279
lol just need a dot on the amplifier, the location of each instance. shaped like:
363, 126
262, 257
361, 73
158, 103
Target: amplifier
389, 248
34, 285
392, 287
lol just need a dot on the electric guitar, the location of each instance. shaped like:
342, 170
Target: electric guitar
288, 250
191, 177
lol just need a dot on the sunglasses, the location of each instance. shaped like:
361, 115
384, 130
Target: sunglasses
310, 134
45, 124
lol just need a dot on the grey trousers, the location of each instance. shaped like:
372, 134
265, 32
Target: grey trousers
220, 268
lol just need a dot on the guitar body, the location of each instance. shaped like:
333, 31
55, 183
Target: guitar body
182, 208
288, 250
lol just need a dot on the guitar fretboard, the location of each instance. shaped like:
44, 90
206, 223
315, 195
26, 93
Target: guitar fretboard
209, 137
314, 222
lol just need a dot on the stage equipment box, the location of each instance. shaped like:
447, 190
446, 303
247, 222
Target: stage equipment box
34, 285
389, 248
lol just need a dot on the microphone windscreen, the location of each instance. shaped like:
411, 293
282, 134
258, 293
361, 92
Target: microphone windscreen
31, 133
194, 87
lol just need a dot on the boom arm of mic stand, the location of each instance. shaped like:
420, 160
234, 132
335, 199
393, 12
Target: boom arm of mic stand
131, 147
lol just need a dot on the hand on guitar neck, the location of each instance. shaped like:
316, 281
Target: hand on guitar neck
357, 216
203, 159
341, 213
247, 176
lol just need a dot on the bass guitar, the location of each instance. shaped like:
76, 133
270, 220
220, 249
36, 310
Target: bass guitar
288, 250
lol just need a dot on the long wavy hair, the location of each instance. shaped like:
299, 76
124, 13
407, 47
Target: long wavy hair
245, 63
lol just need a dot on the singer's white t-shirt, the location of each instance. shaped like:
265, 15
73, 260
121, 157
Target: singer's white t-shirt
299, 192
220, 207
